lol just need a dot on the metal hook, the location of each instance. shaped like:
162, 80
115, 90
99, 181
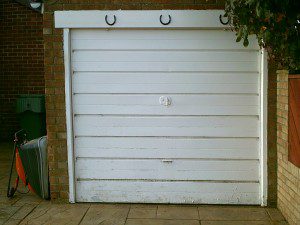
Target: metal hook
108, 23
221, 20
167, 23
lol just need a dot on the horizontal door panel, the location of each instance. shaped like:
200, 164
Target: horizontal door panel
167, 169
150, 44
175, 148
166, 88
168, 192
180, 104
207, 126
163, 56
114, 82
154, 34
124, 78
165, 66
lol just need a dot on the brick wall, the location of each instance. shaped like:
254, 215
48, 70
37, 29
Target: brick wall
54, 78
272, 131
288, 174
21, 60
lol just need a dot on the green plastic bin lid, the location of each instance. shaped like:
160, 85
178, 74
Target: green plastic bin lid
31, 102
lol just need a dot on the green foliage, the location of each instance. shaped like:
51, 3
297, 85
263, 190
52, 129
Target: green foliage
276, 24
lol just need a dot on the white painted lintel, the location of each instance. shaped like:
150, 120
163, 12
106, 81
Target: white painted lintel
146, 19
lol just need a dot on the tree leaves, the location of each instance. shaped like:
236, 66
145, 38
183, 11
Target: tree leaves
246, 42
274, 22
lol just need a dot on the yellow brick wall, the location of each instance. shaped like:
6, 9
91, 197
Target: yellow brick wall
288, 197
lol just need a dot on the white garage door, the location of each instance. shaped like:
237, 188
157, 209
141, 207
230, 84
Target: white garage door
165, 116
162, 113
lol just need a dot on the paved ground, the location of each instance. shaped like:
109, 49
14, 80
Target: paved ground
29, 209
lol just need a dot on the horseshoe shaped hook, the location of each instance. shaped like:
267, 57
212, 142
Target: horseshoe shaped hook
108, 23
221, 20
167, 23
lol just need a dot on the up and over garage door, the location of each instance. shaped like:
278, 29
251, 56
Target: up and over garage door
165, 116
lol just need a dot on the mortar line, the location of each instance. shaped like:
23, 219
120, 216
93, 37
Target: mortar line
84, 214
127, 214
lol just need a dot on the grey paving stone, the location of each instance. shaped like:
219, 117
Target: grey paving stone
106, 214
13, 222
23, 211
7, 211
275, 214
177, 212
232, 213
279, 223
2, 221
29, 198
142, 211
49, 214
143, 206
160, 222
6, 201
236, 223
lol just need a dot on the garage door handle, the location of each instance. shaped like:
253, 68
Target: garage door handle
165, 100
167, 161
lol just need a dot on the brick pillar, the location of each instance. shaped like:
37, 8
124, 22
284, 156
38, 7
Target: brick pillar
288, 174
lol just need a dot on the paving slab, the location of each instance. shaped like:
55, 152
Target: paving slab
7, 211
142, 211
2, 221
50, 214
29, 198
232, 213
23, 211
177, 212
236, 223
279, 223
161, 222
106, 214
7, 201
12, 222
275, 214
143, 206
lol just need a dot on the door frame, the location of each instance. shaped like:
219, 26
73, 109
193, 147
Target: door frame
180, 19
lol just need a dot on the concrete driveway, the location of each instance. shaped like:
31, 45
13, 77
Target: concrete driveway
30, 209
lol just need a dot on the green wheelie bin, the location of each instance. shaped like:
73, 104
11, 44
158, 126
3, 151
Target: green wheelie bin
32, 117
